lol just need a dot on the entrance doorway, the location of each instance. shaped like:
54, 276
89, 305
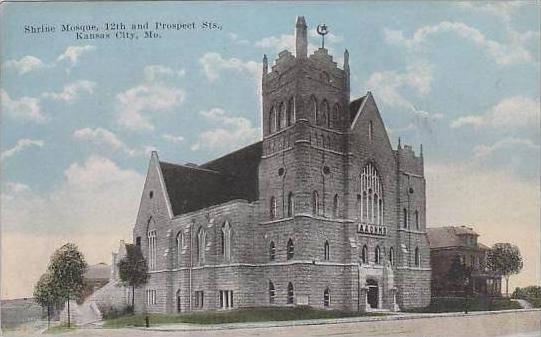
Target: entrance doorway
178, 301
373, 293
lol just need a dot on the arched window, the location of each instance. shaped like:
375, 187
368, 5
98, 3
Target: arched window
272, 251
325, 120
327, 298
280, 122
272, 292
200, 244
314, 110
359, 206
152, 248
377, 255
327, 251
290, 111
290, 204
336, 206
290, 249
315, 203
417, 257
372, 194
180, 245
272, 208
226, 241
370, 130
335, 115
405, 216
416, 219
272, 120
290, 294
364, 255
391, 256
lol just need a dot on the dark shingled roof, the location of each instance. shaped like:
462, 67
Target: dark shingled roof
354, 107
233, 176
449, 236
98, 271
134, 250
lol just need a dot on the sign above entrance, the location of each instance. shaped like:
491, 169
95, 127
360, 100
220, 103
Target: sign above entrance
371, 229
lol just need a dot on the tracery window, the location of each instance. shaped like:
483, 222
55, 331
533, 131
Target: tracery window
372, 206
152, 248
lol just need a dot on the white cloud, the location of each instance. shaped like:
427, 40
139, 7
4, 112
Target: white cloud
502, 9
94, 206
235, 132
27, 108
482, 151
504, 54
214, 63
173, 139
149, 97
104, 137
73, 53
25, 65
513, 112
156, 72
287, 42
236, 40
21, 145
71, 91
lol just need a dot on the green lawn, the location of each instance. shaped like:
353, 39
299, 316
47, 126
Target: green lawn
61, 328
234, 316
455, 304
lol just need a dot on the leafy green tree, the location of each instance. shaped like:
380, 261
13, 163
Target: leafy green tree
67, 268
133, 270
48, 294
458, 274
505, 259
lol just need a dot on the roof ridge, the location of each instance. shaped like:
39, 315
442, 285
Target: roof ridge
191, 167
230, 153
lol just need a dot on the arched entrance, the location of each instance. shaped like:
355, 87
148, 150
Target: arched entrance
373, 293
178, 301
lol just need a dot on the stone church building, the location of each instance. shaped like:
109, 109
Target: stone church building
321, 212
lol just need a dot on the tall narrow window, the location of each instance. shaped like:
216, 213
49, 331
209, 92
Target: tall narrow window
152, 249
272, 120
416, 219
290, 112
315, 203
327, 252
325, 114
359, 206
226, 241
290, 294
272, 292
272, 207
335, 206
377, 255
290, 249
335, 116
391, 256
180, 245
200, 244
272, 251
370, 130
372, 194
290, 204
364, 255
405, 220
327, 298
280, 117
417, 257
314, 110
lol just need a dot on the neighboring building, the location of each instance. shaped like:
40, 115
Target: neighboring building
96, 276
19, 311
449, 243
321, 212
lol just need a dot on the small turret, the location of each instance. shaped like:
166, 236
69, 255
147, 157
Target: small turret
301, 39
346, 61
265, 64
399, 143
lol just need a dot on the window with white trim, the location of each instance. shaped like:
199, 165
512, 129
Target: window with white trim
152, 249
226, 241
226, 299
151, 297
372, 206
199, 297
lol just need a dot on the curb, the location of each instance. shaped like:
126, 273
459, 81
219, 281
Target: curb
279, 324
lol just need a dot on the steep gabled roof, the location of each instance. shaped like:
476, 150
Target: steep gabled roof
233, 176
354, 107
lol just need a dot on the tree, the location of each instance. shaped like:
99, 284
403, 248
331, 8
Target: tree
67, 268
47, 294
133, 270
505, 259
458, 274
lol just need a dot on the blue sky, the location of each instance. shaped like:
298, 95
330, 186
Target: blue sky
79, 117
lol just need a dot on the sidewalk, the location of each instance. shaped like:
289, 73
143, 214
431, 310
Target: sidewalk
278, 324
